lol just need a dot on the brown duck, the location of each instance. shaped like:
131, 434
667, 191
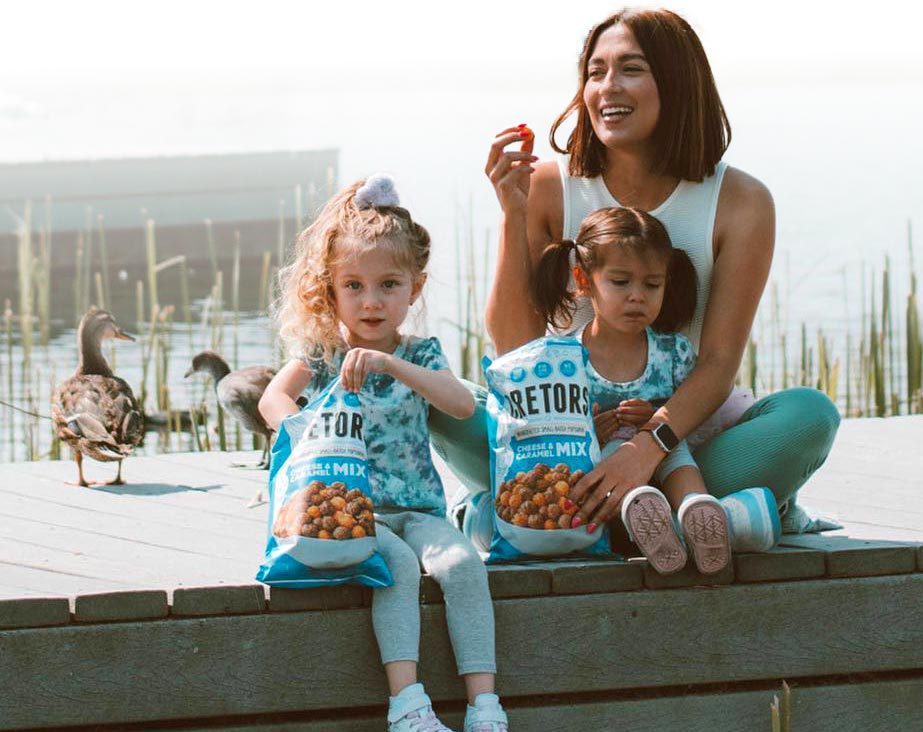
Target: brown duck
239, 393
94, 411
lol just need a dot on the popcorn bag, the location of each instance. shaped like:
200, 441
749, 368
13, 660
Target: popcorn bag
542, 441
321, 525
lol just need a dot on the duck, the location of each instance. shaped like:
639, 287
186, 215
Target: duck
95, 411
238, 392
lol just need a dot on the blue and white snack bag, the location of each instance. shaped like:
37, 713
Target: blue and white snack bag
321, 526
542, 440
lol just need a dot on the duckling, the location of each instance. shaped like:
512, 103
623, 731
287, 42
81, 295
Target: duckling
94, 411
239, 394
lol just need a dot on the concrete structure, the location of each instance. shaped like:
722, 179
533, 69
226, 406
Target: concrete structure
242, 191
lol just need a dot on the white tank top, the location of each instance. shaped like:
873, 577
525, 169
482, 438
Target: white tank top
688, 215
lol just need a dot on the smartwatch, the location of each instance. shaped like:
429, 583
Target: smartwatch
665, 437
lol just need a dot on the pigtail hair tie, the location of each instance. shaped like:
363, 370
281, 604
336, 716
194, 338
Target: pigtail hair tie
377, 191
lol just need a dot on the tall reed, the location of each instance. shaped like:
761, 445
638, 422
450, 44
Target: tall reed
25, 266
10, 394
103, 261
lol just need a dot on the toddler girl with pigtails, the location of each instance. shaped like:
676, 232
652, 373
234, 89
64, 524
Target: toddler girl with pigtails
642, 290
357, 270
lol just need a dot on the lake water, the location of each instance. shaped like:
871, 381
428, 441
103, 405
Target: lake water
842, 157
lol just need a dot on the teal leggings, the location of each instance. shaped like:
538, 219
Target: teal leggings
778, 443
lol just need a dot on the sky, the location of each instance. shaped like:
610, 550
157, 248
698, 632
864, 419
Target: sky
170, 37
824, 99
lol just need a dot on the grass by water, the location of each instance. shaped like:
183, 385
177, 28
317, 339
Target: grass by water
877, 372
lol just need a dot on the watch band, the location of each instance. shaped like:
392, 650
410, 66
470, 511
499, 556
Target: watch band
663, 435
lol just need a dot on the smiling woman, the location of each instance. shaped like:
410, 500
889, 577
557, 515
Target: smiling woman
650, 134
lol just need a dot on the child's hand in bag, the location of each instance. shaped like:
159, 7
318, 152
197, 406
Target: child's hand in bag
359, 363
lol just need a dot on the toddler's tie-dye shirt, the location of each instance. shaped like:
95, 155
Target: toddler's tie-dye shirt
670, 359
402, 474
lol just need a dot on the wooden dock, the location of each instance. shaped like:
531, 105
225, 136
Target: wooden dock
136, 605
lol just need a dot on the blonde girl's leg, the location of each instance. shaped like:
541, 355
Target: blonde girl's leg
396, 611
396, 621
452, 561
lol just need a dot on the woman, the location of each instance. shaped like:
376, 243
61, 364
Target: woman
650, 133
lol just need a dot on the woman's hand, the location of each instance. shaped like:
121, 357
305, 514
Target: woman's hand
599, 492
359, 363
509, 171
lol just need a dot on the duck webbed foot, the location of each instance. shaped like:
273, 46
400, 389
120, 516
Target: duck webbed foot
118, 480
81, 481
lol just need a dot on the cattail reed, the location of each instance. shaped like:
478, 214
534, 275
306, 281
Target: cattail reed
103, 259
280, 237
212, 250
235, 298
151, 251
10, 394
87, 275
25, 267
263, 302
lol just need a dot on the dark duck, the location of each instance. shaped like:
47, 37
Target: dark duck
239, 393
94, 411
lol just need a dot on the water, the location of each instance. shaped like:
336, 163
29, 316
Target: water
841, 156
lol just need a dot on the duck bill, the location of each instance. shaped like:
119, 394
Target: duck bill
189, 373
123, 336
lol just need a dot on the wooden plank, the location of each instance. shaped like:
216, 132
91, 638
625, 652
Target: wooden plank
11, 592
111, 606
218, 600
688, 576
518, 581
879, 706
135, 528
48, 581
34, 612
285, 600
91, 550
158, 501
505, 581
782, 563
858, 557
584, 578
613, 641
145, 566
166, 500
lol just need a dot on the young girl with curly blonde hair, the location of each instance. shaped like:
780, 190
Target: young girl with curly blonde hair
356, 272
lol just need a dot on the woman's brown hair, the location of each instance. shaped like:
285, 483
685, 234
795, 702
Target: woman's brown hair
692, 130
631, 230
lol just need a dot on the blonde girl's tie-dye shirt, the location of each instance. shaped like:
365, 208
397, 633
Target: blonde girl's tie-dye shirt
401, 470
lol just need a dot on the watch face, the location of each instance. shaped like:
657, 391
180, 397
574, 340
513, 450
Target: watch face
666, 436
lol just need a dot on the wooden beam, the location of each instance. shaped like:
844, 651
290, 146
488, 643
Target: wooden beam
302, 661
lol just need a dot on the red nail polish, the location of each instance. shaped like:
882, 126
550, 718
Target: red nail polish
575, 522
568, 504
590, 528
519, 127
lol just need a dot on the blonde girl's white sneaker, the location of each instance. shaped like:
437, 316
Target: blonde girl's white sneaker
486, 715
412, 711
648, 518
705, 528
